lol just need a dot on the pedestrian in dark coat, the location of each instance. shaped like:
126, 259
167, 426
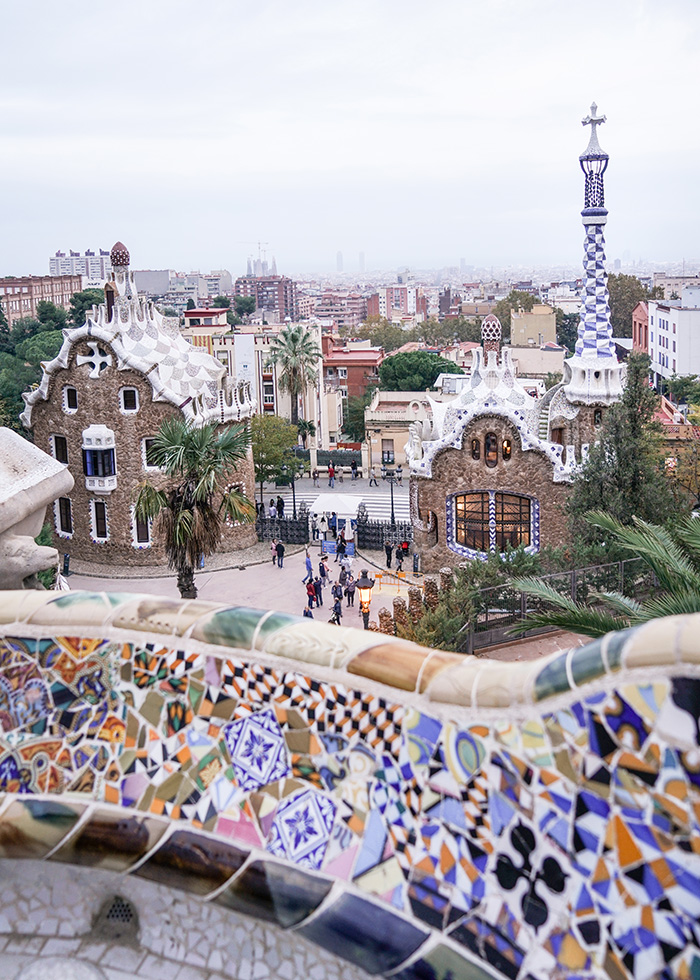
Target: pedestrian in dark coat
280, 508
350, 589
337, 612
318, 588
388, 550
307, 612
280, 553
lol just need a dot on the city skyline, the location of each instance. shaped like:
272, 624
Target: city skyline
417, 136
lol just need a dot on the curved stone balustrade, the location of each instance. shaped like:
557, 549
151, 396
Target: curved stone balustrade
414, 812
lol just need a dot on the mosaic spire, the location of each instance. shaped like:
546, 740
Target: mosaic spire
595, 373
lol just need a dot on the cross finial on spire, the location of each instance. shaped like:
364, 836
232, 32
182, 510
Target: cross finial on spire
593, 120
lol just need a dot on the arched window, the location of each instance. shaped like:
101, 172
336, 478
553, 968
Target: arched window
476, 449
490, 449
506, 448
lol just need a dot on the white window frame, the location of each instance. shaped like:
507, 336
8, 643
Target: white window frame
144, 457
57, 519
122, 407
135, 543
93, 521
66, 408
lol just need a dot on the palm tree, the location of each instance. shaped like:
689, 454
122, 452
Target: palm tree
673, 556
192, 500
306, 428
295, 354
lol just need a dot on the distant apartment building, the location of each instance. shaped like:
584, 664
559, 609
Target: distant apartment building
533, 329
347, 309
399, 302
246, 354
19, 297
202, 325
640, 327
674, 336
306, 305
275, 296
351, 368
153, 283
90, 263
673, 285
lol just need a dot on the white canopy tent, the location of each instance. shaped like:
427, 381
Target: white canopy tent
345, 505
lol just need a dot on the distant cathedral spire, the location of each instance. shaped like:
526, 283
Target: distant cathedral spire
594, 374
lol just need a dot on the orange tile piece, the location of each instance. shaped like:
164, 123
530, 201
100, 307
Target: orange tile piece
627, 851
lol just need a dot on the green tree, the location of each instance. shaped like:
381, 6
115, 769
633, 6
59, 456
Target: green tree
625, 292
245, 305
354, 417
684, 388
306, 429
515, 300
15, 378
222, 302
169, 311
42, 346
295, 354
82, 303
191, 304
413, 371
23, 329
190, 502
232, 318
50, 316
380, 332
6, 343
567, 329
673, 555
624, 473
272, 440
552, 378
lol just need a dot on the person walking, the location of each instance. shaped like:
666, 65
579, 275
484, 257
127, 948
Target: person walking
350, 589
373, 476
280, 554
337, 613
273, 510
314, 476
314, 527
337, 590
311, 593
353, 471
273, 550
309, 577
280, 508
318, 588
323, 571
333, 524
343, 576
388, 551
340, 547
399, 475
323, 526
399, 559
261, 510
331, 475
339, 473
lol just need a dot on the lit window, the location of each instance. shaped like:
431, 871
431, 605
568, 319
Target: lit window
129, 400
490, 449
488, 521
506, 448
60, 448
476, 449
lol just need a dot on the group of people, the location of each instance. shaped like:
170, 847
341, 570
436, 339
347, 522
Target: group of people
400, 551
343, 587
275, 508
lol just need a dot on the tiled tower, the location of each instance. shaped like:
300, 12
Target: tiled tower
593, 374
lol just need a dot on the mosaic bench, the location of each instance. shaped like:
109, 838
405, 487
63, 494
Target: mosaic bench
414, 812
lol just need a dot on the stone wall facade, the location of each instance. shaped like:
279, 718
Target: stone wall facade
456, 471
99, 401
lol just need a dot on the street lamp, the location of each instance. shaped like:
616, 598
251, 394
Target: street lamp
391, 477
364, 586
295, 471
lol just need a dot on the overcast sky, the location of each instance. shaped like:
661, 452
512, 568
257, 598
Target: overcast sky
419, 131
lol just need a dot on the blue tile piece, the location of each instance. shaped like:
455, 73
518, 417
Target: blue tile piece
370, 936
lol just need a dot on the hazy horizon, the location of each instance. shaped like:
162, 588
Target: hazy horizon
417, 134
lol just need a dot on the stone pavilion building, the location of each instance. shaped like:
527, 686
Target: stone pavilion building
101, 401
493, 467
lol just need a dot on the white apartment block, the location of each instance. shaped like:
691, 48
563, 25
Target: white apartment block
674, 336
91, 264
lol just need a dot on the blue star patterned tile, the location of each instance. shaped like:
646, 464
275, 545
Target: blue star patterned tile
302, 828
257, 749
